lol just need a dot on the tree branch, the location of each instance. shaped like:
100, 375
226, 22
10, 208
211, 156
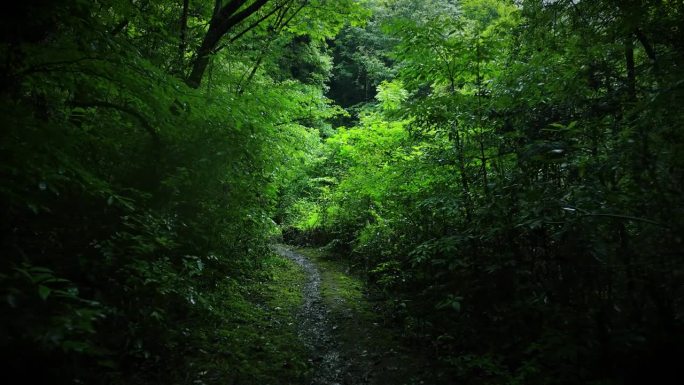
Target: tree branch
627, 217
119, 27
251, 26
125, 109
228, 17
647, 46
585, 213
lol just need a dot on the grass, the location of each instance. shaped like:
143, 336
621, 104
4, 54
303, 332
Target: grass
255, 340
338, 287
365, 339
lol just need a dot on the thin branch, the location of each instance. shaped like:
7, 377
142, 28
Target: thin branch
627, 217
250, 27
274, 10
52, 66
241, 88
125, 109
647, 46
228, 17
585, 213
235, 18
276, 28
227, 10
304, 4
119, 27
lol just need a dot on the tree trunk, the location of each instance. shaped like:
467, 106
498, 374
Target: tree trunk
182, 45
226, 18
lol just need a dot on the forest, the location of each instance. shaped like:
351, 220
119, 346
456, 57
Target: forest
329, 192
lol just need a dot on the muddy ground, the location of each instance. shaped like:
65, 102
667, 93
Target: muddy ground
344, 331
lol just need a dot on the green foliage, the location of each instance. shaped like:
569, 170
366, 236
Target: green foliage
510, 178
261, 345
136, 211
515, 188
391, 95
323, 19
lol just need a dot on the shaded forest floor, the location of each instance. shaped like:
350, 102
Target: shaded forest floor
349, 340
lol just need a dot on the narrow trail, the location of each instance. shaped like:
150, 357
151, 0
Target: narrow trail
316, 329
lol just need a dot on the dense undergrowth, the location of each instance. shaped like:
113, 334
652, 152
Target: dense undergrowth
515, 187
138, 181
507, 173
373, 345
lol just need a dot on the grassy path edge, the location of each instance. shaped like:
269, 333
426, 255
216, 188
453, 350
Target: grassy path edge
376, 351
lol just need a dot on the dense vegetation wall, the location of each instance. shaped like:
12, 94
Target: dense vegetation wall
515, 188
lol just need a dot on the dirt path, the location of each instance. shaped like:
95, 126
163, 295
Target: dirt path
316, 329
350, 341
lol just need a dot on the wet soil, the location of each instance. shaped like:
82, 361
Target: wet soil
348, 344
315, 327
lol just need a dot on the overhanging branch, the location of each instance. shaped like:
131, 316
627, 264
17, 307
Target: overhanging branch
121, 108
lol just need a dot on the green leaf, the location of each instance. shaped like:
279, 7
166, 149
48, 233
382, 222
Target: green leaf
44, 292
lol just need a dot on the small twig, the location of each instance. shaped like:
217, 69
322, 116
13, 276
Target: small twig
628, 217
585, 213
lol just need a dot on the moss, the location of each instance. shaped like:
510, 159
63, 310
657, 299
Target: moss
338, 287
255, 340
364, 337
284, 288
